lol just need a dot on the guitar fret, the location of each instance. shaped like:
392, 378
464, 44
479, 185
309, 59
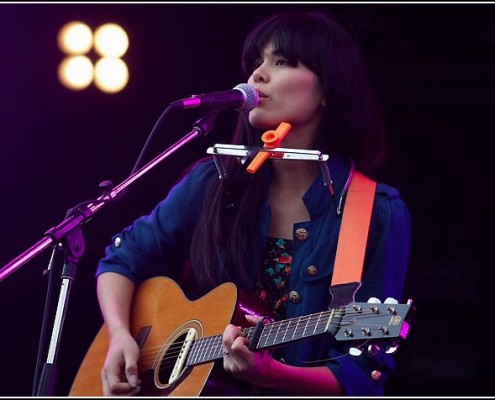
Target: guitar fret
309, 325
202, 349
270, 333
275, 341
319, 324
205, 348
191, 359
288, 326
297, 330
209, 349
278, 339
202, 345
306, 326
218, 347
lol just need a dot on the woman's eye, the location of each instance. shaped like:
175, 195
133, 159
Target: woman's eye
278, 61
282, 61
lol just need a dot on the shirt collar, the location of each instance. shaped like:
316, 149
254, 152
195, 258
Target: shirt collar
317, 198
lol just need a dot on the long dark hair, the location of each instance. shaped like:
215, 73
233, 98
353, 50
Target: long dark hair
352, 127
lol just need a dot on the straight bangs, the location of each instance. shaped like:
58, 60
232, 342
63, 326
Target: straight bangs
294, 38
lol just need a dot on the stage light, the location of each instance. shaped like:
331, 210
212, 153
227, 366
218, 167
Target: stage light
76, 72
75, 38
111, 40
111, 74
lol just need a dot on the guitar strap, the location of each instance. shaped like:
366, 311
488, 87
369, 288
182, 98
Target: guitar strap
353, 233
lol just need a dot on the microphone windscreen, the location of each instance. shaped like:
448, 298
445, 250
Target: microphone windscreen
251, 95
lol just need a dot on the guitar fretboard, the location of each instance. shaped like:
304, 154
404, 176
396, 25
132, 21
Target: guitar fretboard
273, 334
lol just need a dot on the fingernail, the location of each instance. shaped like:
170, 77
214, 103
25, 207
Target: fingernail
133, 380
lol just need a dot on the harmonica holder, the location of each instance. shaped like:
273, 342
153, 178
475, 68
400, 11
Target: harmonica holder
243, 153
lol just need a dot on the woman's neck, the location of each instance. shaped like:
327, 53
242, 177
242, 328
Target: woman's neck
291, 179
293, 175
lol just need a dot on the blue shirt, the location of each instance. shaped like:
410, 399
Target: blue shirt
156, 244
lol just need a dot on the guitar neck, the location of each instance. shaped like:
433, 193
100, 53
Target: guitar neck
273, 334
356, 322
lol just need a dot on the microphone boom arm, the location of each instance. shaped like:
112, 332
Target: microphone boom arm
83, 214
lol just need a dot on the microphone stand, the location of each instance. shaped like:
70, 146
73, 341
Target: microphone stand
69, 229
73, 252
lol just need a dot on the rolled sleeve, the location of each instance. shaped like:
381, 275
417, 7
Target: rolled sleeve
156, 242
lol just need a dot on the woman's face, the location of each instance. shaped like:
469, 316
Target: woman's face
288, 93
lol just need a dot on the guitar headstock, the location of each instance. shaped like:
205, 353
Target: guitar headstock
373, 321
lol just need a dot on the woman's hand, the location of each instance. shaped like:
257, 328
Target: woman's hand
120, 372
241, 362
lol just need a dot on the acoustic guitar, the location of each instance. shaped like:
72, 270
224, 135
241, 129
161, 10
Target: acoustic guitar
178, 349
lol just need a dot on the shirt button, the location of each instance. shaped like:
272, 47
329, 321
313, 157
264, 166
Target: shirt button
312, 270
301, 234
294, 297
117, 242
376, 375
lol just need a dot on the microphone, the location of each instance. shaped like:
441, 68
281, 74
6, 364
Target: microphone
243, 98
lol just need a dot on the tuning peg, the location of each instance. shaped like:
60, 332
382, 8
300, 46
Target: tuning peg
374, 300
354, 351
373, 308
391, 300
391, 349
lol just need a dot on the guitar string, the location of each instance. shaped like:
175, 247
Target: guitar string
205, 345
278, 324
168, 362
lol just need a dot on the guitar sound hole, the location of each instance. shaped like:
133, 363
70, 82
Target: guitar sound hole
170, 361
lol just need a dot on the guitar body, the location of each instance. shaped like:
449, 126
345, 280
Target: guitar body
159, 335
181, 339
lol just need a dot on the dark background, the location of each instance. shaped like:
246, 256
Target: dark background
432, 67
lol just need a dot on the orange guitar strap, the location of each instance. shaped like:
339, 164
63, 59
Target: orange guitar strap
353, 233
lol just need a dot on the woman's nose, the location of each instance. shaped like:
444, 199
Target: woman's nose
259, 75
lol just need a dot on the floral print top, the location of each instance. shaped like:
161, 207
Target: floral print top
272, 288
